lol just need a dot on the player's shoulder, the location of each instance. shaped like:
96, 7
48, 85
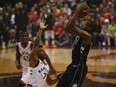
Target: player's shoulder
31, 44
18, 43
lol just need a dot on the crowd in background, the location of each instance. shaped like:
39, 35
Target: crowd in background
26, 14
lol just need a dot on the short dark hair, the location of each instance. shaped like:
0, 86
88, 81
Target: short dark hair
23, 33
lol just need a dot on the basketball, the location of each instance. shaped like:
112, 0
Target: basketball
84, 10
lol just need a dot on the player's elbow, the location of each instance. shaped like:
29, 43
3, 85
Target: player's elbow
49, 82
88, 39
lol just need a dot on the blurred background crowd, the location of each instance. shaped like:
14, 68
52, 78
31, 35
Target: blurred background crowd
18, 15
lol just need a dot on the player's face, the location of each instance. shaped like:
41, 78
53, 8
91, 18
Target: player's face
24, 38
88, 23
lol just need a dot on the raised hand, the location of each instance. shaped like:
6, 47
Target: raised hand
42, 24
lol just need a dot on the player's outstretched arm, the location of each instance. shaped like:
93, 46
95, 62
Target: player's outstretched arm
52, 69
33, 57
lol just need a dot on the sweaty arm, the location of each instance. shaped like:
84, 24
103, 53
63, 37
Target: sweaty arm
33, 57
73, 29
18, 56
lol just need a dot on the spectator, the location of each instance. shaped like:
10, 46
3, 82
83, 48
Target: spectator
49, 33
6, 15
105, 33
58, 27
66, 9
12, 30
63, 39
6, 24
112, 31
21, 19
97, 34
1, 27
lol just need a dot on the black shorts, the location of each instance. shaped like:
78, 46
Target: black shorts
73, 76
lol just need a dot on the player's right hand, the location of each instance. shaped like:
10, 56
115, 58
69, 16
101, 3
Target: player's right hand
19, 67
83, 10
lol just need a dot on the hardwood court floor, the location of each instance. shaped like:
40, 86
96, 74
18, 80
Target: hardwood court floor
101, 65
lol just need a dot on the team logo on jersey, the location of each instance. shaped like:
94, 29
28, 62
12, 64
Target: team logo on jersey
26, 55
74, 85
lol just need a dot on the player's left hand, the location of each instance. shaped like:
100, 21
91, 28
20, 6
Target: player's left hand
53, 71
42, 24
19, 67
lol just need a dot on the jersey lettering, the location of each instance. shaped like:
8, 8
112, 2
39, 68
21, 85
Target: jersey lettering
43, 71
82, 48
75, 42
44, 76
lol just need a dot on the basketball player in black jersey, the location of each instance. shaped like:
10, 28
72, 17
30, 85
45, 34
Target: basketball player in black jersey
76, 71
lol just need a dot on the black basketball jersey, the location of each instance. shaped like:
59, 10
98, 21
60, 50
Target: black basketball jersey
80, 50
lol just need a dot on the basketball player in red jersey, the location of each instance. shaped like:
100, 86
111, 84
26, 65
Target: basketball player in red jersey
38, 71
76, 71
